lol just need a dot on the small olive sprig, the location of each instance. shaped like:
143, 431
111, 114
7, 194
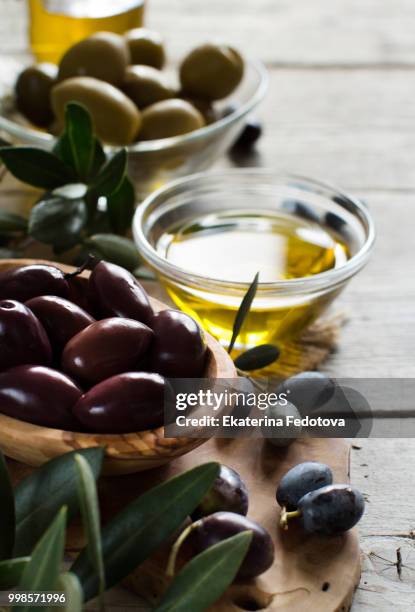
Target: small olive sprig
88, 202
259, 356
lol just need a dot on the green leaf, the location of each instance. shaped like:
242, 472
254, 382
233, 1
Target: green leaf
111, 176
11, 223
115, 249
11, 572
203, 580
58, 221
39, 496
120, 207
99, 158
36, 167
132, 535
258, 357
70, 585
78, 126
7, 513
43, 569
88, 501
243, 310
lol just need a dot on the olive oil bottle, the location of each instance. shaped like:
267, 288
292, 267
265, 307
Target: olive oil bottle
232, 247
55, 25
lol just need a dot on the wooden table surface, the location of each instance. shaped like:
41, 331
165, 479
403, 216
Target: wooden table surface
340, 108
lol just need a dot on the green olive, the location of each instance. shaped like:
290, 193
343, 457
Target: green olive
145, 85
211, 72
33, 88
169, 118
146, 47
116, 119
204, 107
103, 55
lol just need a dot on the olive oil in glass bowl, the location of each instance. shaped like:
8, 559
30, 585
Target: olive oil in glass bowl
207, 236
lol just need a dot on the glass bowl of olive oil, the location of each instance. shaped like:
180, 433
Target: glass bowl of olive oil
207, 235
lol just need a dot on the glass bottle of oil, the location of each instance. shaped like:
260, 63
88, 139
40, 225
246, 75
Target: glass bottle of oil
232, 247
55, 25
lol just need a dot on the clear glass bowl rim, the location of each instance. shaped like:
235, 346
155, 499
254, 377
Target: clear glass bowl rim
48, 140
322, 281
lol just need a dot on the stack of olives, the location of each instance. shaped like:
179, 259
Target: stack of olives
307, 492
221, 514
119, 80
93, 361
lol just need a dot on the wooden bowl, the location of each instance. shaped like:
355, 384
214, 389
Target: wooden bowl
124, 453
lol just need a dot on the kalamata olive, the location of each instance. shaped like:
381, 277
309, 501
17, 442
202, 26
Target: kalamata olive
308, 391
106, 348
211, 72
32, 89
285, 434
331, 510
115, 292
228, 493
22, 337
116, 118
128, 402
249, 136
39, 395
301, 479
222, 525
146, 47
145, 85
179, 348
61, 319
169, 118
104, 56
26, 282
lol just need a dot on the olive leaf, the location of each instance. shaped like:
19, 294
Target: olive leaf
11, 571
39, 496
243, 311
36, 167
7, 511
120, 206
115, 249
133, 534
203, 580
258, 357
58, 221
42, 571
88, 501
70, 585
111, 175
78, 126
10, 223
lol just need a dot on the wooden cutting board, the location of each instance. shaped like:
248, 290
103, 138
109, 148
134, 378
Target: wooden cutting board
310, 573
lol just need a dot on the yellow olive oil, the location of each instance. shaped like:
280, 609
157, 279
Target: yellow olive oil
55, 25
232, 247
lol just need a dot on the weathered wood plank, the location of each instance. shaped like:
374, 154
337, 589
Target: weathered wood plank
321, 32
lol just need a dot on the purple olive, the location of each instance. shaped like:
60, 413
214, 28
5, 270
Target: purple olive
222, 525
128, 402
106, 348
26, 282
61, 319
179, 346
22, 337
228, 493
114, 292
39, 395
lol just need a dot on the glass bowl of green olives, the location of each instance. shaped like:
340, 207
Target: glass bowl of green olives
86, 359
175, 120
